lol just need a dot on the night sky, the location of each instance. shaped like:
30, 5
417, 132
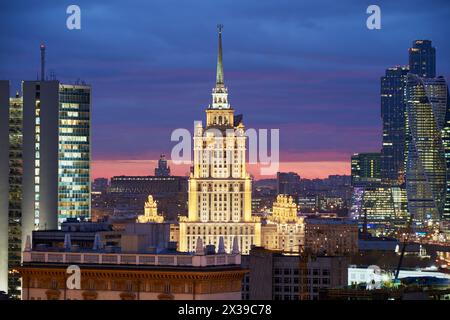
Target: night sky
309, 68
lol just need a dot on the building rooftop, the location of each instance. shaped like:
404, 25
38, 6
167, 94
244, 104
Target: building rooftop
319, 220
94, 258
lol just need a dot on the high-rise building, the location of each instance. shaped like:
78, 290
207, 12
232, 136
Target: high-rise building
10, 190
426, 169
45, 166
74, 196
288, 183
219, 186
446, 142
4, 183
15, 193
162, 170
365, 168
56, 151
422, 59
393, 110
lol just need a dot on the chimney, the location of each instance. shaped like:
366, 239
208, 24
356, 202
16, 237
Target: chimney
42, 62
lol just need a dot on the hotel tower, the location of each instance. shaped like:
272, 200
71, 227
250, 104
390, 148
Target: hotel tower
219, 186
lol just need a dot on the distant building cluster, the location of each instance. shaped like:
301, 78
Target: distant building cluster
408, 179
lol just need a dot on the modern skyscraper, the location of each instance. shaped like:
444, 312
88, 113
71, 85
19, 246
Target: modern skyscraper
422, 59
219, 186
393, 110
365, 168
56, 151
44, 166
4, 183
446, 142
15, 193
74, 196
426, 170
10, 190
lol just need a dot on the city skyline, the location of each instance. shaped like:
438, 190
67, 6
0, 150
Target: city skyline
269, 68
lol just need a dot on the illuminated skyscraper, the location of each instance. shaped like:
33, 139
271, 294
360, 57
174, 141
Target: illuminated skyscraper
393, 110
365, 168
74, 152
10, 190
45, 166
56, 147
426, 169
446, 142
10, 215
422, 59
220, 187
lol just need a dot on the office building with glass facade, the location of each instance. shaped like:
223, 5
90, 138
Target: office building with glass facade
45, 169
382, 208
393, 110
446, 142
422, 59
426, 168
365, 168
74, 152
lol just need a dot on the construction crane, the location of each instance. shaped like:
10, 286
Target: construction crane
405, 243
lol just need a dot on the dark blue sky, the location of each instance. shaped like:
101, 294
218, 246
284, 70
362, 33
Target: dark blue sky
310, 68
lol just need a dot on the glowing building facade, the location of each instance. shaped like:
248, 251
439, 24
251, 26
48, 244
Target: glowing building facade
422, 59
284, 230
219, 186
11, 110
426, 170
74, 152
150, 212
446, 142
365, 168
393, 108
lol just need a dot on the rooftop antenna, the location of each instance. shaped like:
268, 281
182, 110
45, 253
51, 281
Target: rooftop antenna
42, 62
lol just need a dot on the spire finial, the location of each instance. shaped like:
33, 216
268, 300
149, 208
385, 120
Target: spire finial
219, 78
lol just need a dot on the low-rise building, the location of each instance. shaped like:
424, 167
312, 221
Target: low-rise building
274, 275
331, 236
82, 233
104, 275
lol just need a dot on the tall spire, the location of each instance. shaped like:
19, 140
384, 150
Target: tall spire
219, 92
219, 77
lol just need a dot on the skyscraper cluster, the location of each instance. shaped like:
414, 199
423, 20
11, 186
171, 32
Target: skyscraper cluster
414, 158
